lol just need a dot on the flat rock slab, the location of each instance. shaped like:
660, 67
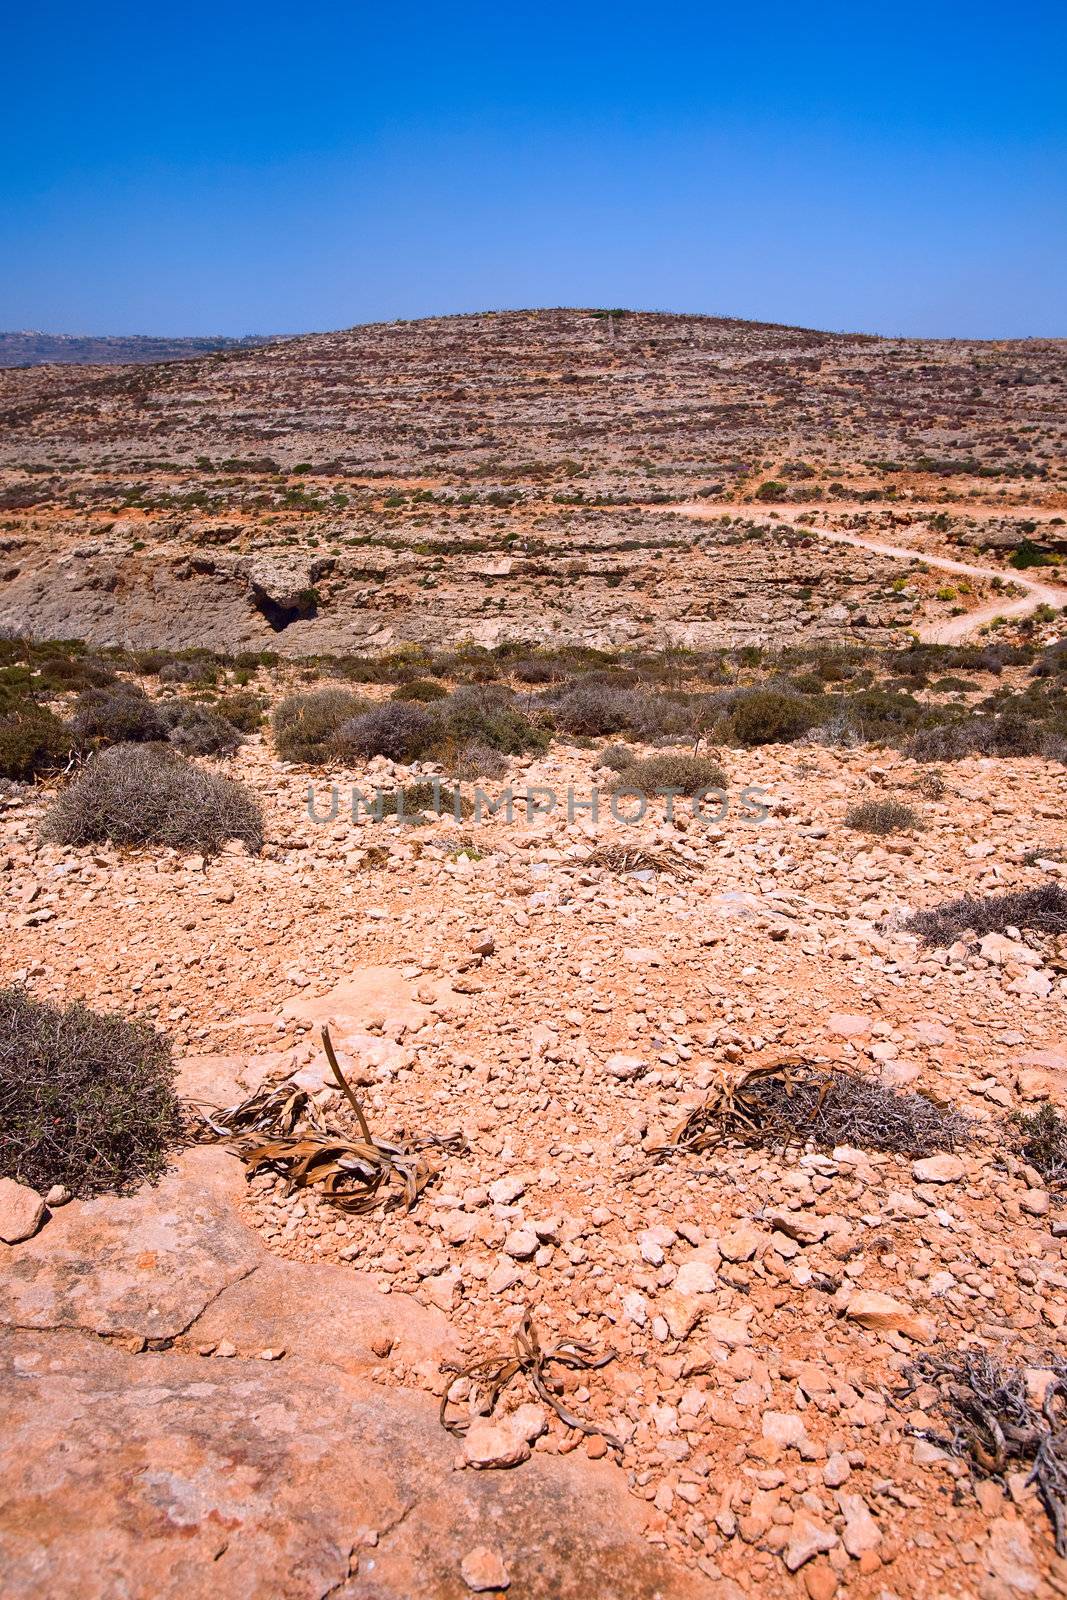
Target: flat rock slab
145, 1264
164, 1474
177, 1260
378, 996
324, 1313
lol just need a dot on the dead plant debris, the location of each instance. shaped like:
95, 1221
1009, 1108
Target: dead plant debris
616, 858
281, 1131
1041, 1139
790, 1102
999, 1425
490, 1375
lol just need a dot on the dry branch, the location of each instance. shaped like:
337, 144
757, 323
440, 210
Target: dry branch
491, 1375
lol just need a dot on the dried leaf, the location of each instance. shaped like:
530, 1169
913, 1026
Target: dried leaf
490, 1376
280, 1130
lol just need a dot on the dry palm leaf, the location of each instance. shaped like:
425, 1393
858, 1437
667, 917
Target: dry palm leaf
491, 1375
267, 1111
353, 1173
734, 1107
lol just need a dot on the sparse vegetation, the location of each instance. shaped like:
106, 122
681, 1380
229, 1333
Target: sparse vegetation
791, 1103
673, 770
198, 730
1040, 910
1000, 1426
86, 1100
139, 794
401, 732
122, 714
305, 726
33, 742
1041, 1140
882, 817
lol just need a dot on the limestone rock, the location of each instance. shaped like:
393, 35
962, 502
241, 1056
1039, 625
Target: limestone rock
21, 1210
882, 1314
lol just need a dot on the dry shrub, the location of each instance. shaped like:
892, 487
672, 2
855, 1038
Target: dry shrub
1006, 734
673, 770
86, 1100
881, 817
790, 1102
590, 709
1041, 910
474, 761
619, 858
136, 794
617, 757
999, 1425
198, 730
122, 714
305, 725
395, 730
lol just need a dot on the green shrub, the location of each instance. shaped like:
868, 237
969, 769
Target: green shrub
421, 689
1027, 554
769, 716
488, 716
244, 711
1041, 1140
419, 798
33, 742
136, 794
86, 1100
305, 725
61, 673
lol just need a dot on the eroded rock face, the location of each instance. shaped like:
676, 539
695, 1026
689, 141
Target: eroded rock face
283, 587
177, 1263
166, 1475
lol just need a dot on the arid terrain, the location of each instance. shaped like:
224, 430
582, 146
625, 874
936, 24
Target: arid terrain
749, 1107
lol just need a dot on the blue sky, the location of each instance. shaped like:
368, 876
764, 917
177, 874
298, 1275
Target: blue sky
232, 168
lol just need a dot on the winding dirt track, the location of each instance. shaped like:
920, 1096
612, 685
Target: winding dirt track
952, 630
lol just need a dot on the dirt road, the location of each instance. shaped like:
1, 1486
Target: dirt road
951, 630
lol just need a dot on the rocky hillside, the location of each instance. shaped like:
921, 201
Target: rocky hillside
498, 476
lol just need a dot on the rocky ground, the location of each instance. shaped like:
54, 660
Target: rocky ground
237, 1389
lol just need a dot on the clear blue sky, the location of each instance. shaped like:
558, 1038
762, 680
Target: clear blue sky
232, 168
